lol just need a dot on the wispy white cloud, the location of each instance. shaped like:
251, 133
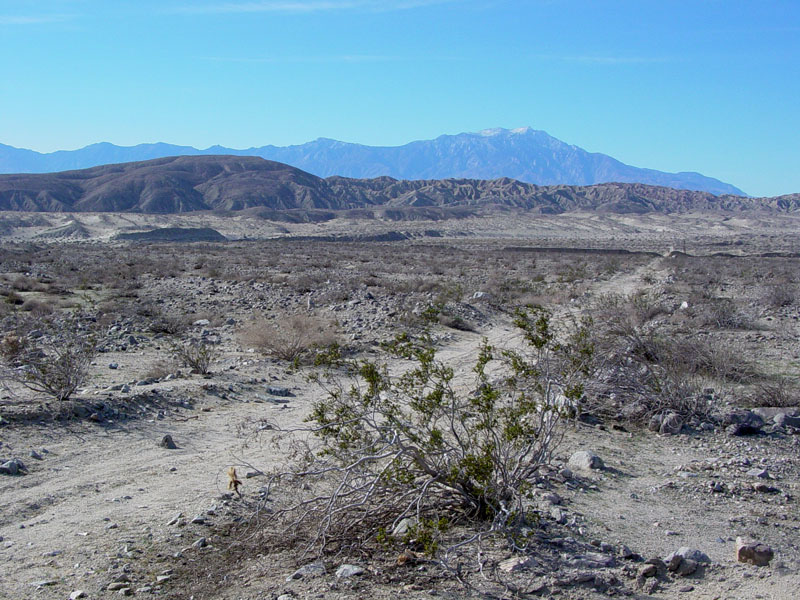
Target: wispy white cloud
306, 6
31, 19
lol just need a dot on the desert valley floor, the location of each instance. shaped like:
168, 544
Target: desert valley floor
99, 507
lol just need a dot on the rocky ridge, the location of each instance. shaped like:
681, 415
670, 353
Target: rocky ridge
230, 183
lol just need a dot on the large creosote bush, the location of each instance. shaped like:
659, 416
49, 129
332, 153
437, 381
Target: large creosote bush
49, 354
427, 445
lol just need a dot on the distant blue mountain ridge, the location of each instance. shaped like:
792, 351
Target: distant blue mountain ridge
524, 154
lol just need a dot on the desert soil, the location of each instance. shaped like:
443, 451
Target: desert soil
104, 505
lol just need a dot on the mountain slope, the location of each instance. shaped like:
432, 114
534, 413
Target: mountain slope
166, 185
523, 154
230, 183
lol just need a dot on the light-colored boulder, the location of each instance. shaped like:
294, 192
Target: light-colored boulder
585, 460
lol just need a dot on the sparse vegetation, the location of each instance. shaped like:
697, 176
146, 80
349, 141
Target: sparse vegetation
386, 448
647, 368
290, 338
197, 355
49, 354
704, 337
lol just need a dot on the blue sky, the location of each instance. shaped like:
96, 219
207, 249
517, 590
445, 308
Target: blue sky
703, 85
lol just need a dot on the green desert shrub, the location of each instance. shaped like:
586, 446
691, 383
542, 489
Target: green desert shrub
385, 446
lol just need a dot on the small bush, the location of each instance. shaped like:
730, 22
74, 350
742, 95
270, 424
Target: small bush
169, 323
701, 356
160, 369
13, 298
782, 392
198, 356
623, 311
644, 368
291, 339
49, 354
456, 322
380, 448
780, 295
37, 307
720, 313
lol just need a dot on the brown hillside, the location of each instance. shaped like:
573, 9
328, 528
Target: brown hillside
232, 183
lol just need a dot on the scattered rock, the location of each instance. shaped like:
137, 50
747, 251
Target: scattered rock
200, 543
517, 563
686, 552
681, 566
558, 515
648, 570
760, 473
77, 594
117, 585
13, 467
585, 460
404, 526
113, 366
345, 571
784, 420
279, 391
625, 553
752, 552
716, 487
168, 443
764, 488
551, 498
315, 569
591, 560
45, 583
742, 429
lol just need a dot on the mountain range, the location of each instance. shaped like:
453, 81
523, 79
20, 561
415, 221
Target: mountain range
233, 183
523, 154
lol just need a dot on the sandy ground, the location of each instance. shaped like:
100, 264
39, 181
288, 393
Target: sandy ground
102, 496
102, 503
